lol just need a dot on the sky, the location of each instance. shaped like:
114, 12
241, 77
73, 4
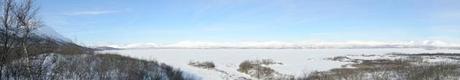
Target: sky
94, 22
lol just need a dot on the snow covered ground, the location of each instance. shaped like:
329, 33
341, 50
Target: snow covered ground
294, 61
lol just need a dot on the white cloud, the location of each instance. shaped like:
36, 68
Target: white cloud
295, 45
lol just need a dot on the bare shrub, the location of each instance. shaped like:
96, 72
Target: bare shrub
207, 64
267, 62
245, 66
256, 69
341, 58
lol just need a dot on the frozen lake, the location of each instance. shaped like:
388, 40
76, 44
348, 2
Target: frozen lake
295, 61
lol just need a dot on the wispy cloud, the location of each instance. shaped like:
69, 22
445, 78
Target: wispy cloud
94, 12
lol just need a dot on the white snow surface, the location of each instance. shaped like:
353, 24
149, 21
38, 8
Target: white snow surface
295, 61
292, 45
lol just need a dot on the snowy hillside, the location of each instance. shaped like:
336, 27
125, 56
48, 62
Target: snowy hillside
48, 32
54, 66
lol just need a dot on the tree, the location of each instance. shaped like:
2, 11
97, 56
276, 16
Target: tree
6, 28
18, 21
25, 14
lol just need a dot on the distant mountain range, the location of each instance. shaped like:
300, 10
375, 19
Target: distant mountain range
427, 44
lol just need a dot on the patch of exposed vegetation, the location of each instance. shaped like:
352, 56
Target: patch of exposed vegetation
259, 69
206, 65
426, 72
381, 63
428, 54
341, 58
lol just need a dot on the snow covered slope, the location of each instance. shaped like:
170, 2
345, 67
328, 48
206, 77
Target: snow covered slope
54, 66
48, 32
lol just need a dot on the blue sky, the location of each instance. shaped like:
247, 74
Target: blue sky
166, 21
